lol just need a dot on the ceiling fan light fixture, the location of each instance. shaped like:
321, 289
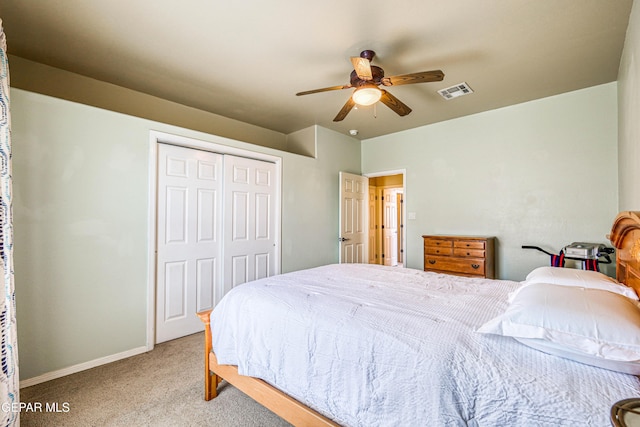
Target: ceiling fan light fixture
365, 79
367, 95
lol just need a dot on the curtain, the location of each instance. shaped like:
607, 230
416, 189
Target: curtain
9, 383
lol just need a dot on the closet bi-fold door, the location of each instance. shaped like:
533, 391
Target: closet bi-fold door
189, 238
250, 220
216, 229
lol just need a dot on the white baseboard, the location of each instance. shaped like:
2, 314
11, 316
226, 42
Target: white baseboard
81, 367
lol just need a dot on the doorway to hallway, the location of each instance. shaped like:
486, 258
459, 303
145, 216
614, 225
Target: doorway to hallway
386, 235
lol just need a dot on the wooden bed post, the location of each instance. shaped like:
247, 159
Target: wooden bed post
211, 380
625, 236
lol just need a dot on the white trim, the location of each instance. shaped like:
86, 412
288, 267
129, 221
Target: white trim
151, 243
387, 173
218, 144
81, 367
404, 209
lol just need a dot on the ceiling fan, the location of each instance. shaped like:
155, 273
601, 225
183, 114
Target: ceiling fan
366, 78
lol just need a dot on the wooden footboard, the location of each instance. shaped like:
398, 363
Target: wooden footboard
268, 396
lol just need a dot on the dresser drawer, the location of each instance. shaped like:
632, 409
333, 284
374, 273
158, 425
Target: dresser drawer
438, 242
469, 244
438, 250
473, 253
471, 266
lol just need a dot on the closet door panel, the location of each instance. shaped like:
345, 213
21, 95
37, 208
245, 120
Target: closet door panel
189, 245
249, 243
216, 229
239, 216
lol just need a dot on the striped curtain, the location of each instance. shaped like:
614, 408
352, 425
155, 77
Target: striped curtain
9, 383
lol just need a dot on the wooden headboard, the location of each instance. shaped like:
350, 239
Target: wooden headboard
625, 236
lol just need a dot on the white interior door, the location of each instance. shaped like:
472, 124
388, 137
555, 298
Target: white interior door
188, 238
250, 220
373, 225
354, 195
400, 210
390, 224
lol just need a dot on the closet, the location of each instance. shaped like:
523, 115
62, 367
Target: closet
216, 229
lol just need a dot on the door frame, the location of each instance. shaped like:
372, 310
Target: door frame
216, 144
402, 172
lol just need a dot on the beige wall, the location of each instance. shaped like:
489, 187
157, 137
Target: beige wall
46, 80
540, 173
313, 222
629, 116
81, 191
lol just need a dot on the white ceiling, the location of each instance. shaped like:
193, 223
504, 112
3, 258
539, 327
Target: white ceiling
246, 59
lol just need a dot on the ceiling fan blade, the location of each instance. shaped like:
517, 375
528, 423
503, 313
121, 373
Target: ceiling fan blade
345, 110
406, 79
362, 67
325, 89
394, 103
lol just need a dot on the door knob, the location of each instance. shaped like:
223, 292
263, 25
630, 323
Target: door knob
342, 239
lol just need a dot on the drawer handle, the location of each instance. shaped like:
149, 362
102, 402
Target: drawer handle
432, 261
468, 253
476, 266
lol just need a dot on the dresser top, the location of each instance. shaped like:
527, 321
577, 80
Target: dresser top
451, 236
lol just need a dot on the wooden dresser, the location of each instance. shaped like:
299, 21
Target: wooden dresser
461, 255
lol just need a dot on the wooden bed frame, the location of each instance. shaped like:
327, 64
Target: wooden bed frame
625, 236
268, 396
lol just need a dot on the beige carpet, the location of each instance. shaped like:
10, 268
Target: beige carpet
161, 388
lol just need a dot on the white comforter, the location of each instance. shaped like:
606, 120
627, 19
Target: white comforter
369, 345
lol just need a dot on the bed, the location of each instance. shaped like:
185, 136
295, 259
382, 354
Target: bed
357, 344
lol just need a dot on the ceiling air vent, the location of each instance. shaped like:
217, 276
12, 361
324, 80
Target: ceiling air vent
455, 91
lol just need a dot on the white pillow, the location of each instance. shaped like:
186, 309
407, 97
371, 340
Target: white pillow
590, 322
582, 278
